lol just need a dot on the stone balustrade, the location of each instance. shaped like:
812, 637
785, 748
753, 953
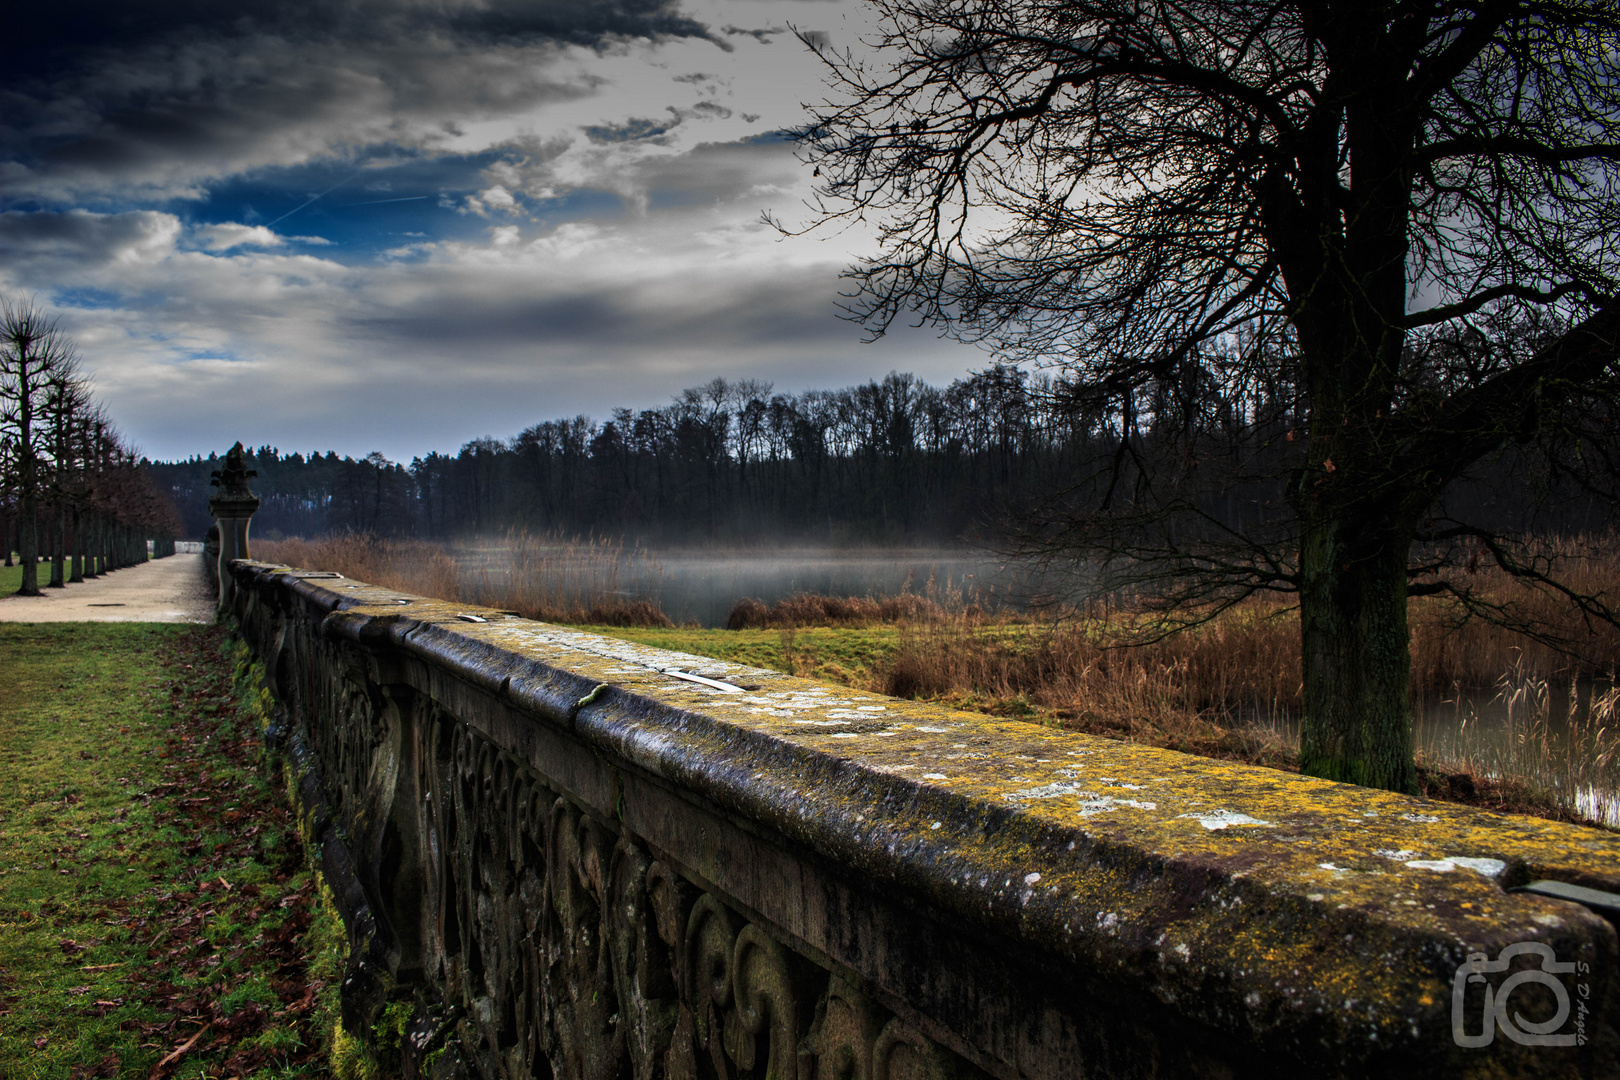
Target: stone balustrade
567, 855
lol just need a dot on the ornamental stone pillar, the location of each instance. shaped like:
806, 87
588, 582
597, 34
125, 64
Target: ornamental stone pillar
233, 509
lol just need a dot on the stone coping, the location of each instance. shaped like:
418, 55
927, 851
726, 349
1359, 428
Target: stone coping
1294, 910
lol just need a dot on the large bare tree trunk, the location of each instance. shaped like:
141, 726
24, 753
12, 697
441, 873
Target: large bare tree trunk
1356, 656
92, 538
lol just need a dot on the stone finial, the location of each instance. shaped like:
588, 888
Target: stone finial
233, 478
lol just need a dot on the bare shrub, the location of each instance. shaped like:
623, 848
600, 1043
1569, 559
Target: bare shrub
628, 613
749, 613
909, 607
817, 609
414, 566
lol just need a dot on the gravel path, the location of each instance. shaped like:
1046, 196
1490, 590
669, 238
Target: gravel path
164, 590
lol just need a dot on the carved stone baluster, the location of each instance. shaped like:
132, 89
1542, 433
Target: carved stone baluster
670, 898
769, 1001
582, 1003
459, 859
845, 1033
432, 823
903, 1053
642, 963
707, 953
500, 923
484, 884
532, 819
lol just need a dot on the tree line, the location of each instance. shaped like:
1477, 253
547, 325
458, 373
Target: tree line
890, 461
996, 454
71, 491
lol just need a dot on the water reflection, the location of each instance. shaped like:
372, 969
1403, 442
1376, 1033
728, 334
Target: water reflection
1563, 738
703, 588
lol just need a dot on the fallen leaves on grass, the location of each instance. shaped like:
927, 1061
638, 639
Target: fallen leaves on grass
161, 1068
200, 967
111, 1065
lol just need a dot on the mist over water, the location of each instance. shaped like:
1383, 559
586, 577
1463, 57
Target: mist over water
702, 586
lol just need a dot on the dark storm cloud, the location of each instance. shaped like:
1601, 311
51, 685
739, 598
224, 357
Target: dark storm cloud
413, 222
763, 36
79, 237
634, 128
44, 38
713, 172
118, 101
488, 319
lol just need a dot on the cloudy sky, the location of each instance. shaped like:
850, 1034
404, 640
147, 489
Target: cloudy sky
400, 224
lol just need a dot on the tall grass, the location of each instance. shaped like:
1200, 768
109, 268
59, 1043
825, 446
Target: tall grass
415, 566
1561, 740
813, 609
549, 577
1200, 691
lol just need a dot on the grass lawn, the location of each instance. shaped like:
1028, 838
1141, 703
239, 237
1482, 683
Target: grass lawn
852, 656
11, 577
153, 896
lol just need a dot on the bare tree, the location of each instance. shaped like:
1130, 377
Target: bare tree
1295, 200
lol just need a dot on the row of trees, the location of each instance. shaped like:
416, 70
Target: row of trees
70, 490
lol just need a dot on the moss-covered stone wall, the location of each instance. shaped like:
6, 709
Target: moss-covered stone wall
567, 852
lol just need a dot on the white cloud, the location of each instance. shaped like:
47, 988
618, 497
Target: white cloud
195, 347
492, 198
223, 237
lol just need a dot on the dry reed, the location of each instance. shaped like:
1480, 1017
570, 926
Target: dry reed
1198, 691
414, 566
1537, 735
556, 579
540, 577
814, 609
1448, 653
